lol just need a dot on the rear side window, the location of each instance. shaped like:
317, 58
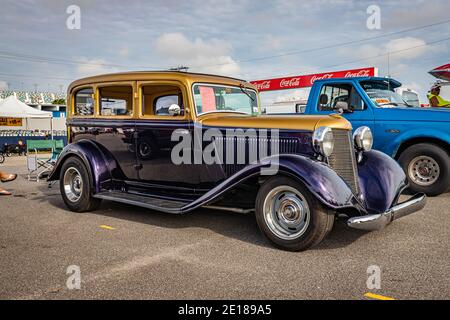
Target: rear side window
84, 102
116, 101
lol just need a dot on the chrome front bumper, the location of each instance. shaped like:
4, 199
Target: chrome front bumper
381, 220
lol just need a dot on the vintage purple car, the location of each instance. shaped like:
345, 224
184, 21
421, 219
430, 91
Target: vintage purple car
176, 141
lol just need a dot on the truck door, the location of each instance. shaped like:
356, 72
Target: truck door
359, 112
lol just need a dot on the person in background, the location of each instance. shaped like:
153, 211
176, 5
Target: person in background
437, 101
6, 177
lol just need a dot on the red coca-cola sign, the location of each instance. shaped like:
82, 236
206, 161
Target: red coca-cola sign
308, 80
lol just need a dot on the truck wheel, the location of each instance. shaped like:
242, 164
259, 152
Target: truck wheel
290, 216
76, 187
427, 167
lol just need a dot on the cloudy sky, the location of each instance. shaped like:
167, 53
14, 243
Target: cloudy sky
250, 39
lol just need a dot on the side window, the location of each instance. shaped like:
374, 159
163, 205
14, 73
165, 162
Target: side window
330, 95
116, 101
156, 99
84, 102
161, 104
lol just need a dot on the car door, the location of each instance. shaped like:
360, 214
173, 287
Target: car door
114, 126
154, 130
360, 112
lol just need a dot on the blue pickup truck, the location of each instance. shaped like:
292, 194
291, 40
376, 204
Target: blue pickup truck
419, 139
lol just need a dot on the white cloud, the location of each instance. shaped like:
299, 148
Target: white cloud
91, 67
400, 47
210, 56
3, 85
406, 48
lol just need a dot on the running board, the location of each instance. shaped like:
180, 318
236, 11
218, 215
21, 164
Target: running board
149, 202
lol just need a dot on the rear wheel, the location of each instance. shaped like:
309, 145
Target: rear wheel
76, 187
427, 167
290, 216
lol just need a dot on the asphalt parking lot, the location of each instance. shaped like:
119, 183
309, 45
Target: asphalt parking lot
125, 252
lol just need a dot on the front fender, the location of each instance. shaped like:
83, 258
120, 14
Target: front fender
101, 165
381, 180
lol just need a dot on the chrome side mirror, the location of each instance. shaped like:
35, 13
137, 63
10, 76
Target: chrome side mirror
174, 110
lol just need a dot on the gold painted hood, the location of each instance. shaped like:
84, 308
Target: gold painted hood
294, 122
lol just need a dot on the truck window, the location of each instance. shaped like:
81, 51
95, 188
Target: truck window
330, 95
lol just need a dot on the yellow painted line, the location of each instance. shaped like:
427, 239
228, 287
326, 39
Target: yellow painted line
107, 227
377, 296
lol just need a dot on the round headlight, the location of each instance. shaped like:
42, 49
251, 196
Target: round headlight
363, 138
323, 141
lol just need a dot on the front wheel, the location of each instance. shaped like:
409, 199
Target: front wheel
290, 216
76, 188
427, 167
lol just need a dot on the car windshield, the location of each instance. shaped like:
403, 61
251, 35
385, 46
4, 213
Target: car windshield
382, 94
217, 98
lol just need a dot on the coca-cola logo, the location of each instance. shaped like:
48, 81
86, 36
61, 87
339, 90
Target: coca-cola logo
292, 82
263, 85
361, 73
321, 77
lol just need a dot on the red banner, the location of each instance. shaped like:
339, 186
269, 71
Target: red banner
307, 80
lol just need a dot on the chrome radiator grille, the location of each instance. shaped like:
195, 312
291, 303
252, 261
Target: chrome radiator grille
253, 145
343, 159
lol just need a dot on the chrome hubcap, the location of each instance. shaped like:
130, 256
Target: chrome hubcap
286, 212
73, 184
424, 170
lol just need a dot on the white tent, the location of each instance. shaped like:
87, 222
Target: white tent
12, 107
